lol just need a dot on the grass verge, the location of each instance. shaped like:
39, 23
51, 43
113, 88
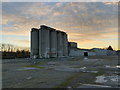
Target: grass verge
68, 81
80, 78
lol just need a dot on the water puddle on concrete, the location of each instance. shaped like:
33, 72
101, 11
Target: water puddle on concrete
87, 59
101, 79
106, 79
107, 66
27, 68
69, 69
93, 86
118, 66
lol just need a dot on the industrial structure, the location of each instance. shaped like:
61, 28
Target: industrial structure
48, 42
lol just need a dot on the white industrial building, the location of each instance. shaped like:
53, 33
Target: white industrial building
91, 52
48, 42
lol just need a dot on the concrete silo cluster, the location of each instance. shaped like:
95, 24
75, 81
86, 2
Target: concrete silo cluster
48, 42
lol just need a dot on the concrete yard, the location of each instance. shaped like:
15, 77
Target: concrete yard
75, 72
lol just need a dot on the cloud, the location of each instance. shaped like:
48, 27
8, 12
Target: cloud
23, 42
111, 3
20, 42
82, 21
60, 0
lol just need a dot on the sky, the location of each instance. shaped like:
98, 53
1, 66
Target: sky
60, 0
90, 24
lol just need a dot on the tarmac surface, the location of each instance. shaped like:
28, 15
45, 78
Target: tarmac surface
74, 72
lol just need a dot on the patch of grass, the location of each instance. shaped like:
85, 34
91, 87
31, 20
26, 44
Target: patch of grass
41, 63
35, 66
68, 81
76, 79
100, 72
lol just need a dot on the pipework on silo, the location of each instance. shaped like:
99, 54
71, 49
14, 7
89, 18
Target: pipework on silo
48, 42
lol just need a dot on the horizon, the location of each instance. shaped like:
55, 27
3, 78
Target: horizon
89, 24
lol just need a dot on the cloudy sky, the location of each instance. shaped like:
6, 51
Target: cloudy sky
90, 24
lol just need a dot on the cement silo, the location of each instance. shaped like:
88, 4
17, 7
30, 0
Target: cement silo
53, 42
34, 43
59, 44
48, 42
40, 44
65, 45
44, 42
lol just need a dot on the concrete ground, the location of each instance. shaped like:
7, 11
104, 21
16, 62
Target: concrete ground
73, 72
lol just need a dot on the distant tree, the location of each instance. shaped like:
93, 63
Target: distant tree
6, 47
11, 51
110, 48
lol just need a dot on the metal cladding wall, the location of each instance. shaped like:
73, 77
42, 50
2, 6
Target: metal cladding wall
47, 42
34, 43
53, 43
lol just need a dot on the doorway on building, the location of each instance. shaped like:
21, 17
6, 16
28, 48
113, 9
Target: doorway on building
85, 53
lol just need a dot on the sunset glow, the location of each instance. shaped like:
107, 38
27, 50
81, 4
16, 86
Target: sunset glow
90, 24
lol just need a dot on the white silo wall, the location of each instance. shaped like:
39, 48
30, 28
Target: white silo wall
53, 43
65, 45
34, 43
40, 44
59, 44
47, 55
45, 49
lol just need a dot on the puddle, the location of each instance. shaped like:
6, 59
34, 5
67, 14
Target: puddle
28, 78
28, 68
66, 69
86, 59
101, 79
93, 86
107, 66
107, 79
92, 71
82, 69
117, 66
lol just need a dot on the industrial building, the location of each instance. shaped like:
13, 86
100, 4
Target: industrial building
75, 52
48, 42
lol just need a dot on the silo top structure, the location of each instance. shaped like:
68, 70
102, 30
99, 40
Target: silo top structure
48, 42
34, 29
